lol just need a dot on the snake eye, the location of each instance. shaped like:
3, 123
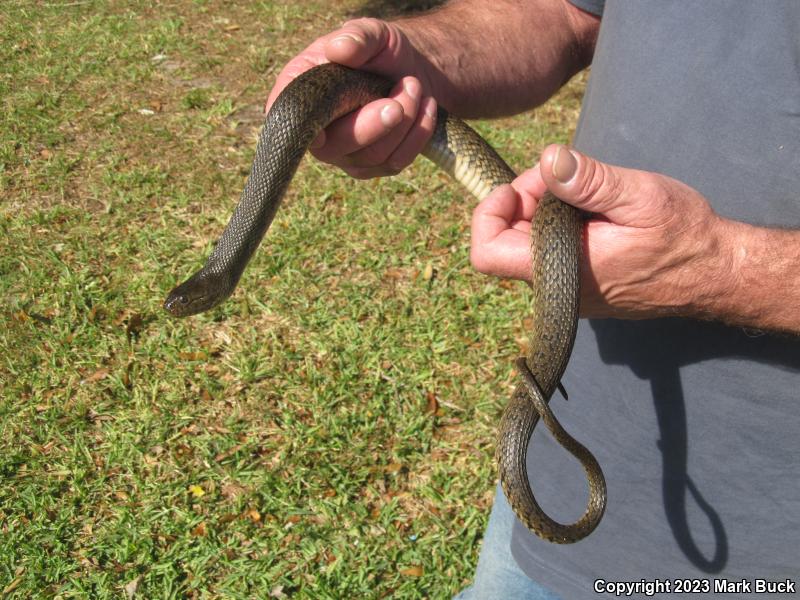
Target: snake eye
183, 299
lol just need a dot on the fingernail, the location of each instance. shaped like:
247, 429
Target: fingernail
348, 36
391, 114
430, 108
564, 165
411, 88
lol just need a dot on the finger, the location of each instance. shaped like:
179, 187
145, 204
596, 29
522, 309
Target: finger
499, 211
408, 150
296, 67
417, 137
359, 129
357, 42
500, 240
623, 196
353, 45
406, 93
531, 187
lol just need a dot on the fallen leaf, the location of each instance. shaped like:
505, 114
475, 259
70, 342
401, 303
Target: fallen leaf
232, 490
427, 273
95, 314
394, 273
253, 515
413, 571
97, 376
433, 403
132, 586
200, 530
190, 430
12, 586
126, 376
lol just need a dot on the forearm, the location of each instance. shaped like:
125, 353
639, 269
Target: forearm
757, 283
498, 58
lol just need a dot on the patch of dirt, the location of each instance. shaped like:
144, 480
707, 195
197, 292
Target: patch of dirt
247, 120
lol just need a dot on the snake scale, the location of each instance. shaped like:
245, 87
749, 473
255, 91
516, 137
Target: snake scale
327, 92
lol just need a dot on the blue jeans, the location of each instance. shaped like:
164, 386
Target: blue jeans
498, 577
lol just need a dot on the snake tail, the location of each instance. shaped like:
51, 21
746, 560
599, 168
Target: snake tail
555, 247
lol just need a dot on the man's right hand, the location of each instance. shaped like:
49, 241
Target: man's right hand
385, 136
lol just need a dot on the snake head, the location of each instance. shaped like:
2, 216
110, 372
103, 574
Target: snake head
201, 292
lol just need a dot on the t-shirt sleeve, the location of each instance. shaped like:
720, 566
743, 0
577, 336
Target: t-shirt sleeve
593, 6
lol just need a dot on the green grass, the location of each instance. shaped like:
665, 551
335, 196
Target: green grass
329, 431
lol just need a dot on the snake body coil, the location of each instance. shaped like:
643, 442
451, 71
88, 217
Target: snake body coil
309, 104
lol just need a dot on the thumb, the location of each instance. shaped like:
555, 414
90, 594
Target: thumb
358, 42
621, 195
354, 45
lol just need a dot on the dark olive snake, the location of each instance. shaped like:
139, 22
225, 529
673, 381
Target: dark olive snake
310, 103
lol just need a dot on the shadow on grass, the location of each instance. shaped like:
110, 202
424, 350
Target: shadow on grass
383, 9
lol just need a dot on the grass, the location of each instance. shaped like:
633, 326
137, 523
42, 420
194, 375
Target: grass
329, 431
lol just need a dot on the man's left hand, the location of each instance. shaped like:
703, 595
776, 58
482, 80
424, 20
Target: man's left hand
651, 247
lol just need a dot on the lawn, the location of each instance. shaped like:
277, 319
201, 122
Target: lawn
326, 433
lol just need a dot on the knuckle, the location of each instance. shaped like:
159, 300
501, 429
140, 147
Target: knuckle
395, 166
364, 24
392, 170
371, 156
358, 172
478, 259
600, 183
597, 178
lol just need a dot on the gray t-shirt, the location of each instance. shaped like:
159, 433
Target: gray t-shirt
695, 424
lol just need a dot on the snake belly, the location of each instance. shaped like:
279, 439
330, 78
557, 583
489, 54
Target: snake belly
307, 105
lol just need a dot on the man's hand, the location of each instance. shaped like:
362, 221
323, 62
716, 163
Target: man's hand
384, 136
652, 247
478, 59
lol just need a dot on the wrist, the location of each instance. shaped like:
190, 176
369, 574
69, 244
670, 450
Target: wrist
431, 59
718, 270
755, 284
474, 71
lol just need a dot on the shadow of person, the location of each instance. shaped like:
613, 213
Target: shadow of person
656, 351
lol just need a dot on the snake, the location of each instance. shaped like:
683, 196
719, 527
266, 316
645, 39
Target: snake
329, 91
